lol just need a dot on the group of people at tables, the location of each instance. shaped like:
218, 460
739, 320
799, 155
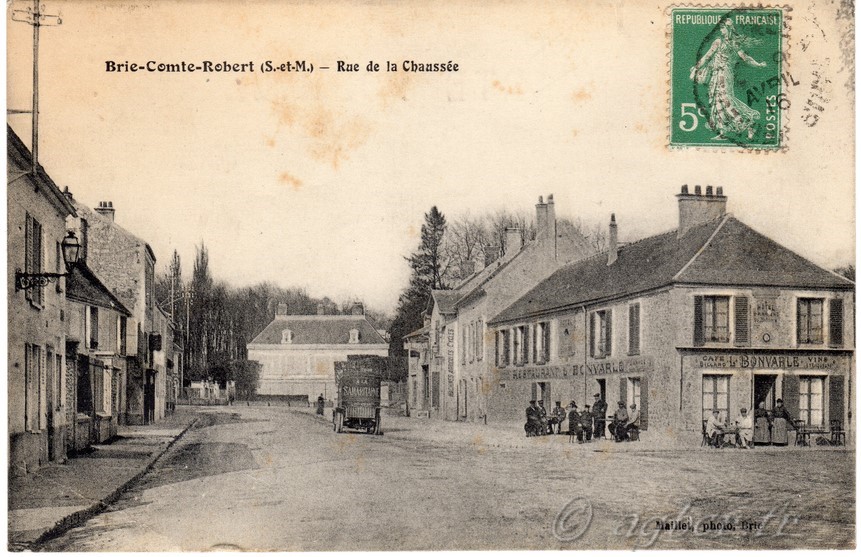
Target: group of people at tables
591, 422
763, 427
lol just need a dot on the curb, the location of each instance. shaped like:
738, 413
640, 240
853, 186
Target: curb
77, 518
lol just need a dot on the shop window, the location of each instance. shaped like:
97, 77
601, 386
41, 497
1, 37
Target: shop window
633, 329
810, 320
835, 322
601, 334
716, 395
811, 393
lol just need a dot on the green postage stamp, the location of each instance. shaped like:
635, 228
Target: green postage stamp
725, 85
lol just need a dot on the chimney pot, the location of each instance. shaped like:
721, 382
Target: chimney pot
67, 193
106, 209
720, 191
698, 190
613, 251
709, 191
540, 199
550, 198
685, 189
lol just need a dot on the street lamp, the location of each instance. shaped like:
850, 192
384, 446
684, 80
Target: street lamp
71, 252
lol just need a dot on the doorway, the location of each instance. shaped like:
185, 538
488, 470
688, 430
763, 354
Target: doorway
50, 388
602, 388
765, 390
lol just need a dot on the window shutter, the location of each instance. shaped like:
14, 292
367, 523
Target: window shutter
592, 335
608, 344
623, 391
534, 392
536, 357
28, 251
835, 398
742, 321
835, 321
801, 322
790, 395
546, 342
634, 329
132, 337
39, 253
496, 346
698, 321
644, 403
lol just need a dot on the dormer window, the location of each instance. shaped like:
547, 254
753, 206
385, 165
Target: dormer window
354, 336
286, 336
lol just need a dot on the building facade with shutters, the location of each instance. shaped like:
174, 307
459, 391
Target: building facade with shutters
297, 353
452, 376
713, 315
36, 215
125, 264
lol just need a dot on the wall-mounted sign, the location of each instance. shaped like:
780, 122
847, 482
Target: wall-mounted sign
638, 365
765, 361
765, 310
450, 354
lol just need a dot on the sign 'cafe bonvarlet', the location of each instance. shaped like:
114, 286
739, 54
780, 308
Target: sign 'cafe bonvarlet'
710, 316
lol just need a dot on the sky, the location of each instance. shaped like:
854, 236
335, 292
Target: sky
320, 180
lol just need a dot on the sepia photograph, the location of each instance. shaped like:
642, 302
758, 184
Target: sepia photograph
426, 276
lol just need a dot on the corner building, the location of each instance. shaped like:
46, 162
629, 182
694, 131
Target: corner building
713, 315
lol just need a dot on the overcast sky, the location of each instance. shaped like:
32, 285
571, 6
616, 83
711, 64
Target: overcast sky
321, 180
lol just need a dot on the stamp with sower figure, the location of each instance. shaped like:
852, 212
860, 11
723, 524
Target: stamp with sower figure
725, 85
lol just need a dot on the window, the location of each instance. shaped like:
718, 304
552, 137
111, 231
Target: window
634, 330
835, 322
479, 331
521, 345
34, 395
601, 334
503, 340
633, 392
101, 389
354, 336
811, 393
716, 318
33, 257
463, 342
472, 342
541, 344
122, 330
810, 321
92, 327
61, 385
715, 395
287, 336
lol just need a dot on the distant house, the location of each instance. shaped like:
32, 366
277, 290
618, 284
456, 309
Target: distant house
36, 213
297, 353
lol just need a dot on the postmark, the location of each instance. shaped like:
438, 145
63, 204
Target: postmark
726, 86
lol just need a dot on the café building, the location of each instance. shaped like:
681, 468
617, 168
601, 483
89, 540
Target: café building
712, 315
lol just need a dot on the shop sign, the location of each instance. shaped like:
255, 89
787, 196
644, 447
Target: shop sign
641, 364
765, 361
450, 353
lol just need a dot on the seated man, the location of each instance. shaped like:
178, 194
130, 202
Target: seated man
557, 416
744, 437
633, 427
714, 429
533, 421
620, 422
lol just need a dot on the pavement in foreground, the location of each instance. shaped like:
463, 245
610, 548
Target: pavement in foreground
271, 478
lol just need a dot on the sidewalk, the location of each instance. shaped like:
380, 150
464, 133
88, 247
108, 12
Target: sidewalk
511, 436
59, 496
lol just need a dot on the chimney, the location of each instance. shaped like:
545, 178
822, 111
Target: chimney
513, 241
68, 194
613, 252
282, 309
106, 209
545, 218
358, 309
467, 268
321, 309
698, 209
491, 254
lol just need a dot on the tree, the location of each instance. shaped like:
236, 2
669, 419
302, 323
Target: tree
847, 271
246, 374
429, 267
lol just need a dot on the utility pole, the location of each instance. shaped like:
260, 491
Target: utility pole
34, 16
